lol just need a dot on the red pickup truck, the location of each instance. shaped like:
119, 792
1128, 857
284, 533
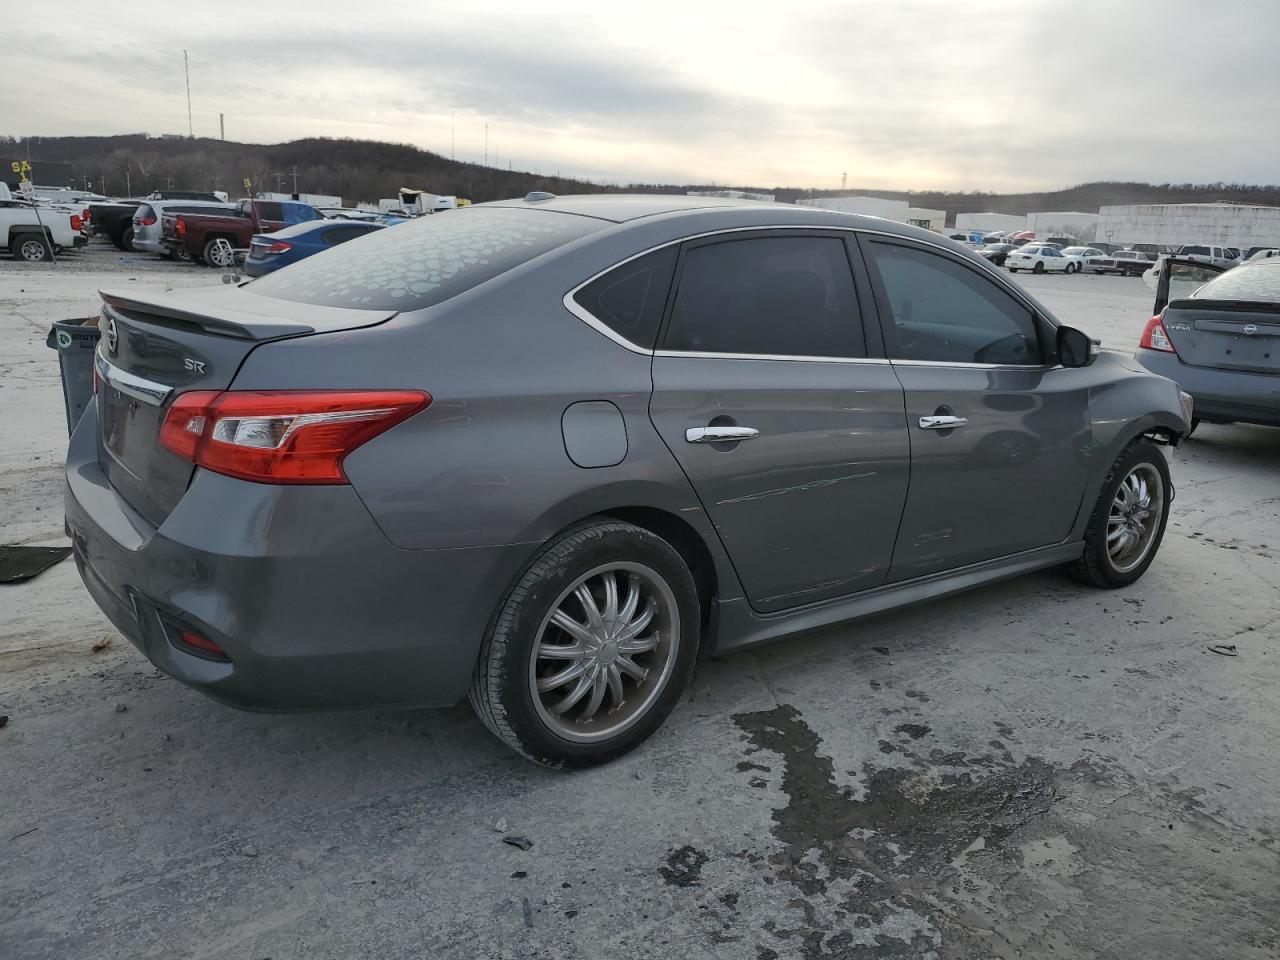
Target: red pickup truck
196, 235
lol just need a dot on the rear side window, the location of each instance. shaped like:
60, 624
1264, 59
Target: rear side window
629, 299
786, 296
946, 313
270, 210
339, 235
425, 261
1203, 251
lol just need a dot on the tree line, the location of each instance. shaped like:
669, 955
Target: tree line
366, 170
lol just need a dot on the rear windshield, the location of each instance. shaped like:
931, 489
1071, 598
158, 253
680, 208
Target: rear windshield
424, 261
1257, 282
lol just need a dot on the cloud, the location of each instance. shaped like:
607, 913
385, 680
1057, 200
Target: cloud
922, 93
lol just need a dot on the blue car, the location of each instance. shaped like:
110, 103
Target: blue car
271, 251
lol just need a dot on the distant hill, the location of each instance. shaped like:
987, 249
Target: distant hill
370, 169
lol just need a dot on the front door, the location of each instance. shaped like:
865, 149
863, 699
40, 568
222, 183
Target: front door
793, 437
999, 432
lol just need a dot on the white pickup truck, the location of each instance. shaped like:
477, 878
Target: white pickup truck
21, 230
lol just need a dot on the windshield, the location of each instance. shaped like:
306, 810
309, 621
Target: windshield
1077, 251
1258, 282
424, 261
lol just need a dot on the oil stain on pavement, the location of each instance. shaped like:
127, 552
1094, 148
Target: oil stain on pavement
968, 856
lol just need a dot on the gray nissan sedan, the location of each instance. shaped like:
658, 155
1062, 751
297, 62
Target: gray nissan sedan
544, 453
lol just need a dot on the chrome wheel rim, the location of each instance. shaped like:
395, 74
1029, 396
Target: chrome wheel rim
32, 250
605, 652
221, 256
1136, 510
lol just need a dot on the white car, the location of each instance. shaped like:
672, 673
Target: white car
1039, 259
1089, 259
1266, 253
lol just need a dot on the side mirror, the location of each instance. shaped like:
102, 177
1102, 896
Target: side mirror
1075, 347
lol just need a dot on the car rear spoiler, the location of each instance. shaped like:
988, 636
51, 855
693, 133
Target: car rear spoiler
230, 311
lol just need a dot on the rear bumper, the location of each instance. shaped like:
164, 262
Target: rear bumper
259, 268
1221, 395
314, 606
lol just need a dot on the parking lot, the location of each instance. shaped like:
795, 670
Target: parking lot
1031, 769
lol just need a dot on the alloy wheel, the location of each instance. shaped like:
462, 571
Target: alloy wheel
605, 652
1134, 518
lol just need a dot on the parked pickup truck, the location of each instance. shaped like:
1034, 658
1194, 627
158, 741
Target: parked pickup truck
197, 234
114, 221
21, 230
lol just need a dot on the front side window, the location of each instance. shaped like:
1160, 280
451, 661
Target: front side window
944, 312
630, 298
787, 296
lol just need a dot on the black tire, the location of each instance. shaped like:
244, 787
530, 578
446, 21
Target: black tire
208, 254
501, 691
1039, 267
1095, 565
31, 248
1013, 269
126, 240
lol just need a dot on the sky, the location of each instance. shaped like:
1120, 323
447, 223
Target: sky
1004, 96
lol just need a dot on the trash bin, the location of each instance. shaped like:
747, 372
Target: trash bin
75, 341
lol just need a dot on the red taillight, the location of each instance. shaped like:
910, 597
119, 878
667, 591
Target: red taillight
86, 214
285, 436
278, 247
180, 227
1154, 337
145, 222
202, 645
76, 223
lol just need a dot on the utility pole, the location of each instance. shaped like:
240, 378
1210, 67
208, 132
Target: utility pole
128, 183
844, 179
295, 179
453, 136
186, 68
222, 127
486, 144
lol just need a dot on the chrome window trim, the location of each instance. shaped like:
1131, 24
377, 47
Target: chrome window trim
975, 366
711, 355
131, 385
600, 326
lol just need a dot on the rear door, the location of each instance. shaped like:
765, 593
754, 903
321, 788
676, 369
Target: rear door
783, 414
999, 434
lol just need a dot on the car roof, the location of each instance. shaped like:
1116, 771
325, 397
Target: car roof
308, 226
691, 214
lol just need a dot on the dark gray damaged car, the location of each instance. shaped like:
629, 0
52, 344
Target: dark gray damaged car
544, 452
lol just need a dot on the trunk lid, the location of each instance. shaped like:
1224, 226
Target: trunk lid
157, 346
1225, 335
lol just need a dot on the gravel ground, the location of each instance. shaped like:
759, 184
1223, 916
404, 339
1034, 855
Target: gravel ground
1031, 769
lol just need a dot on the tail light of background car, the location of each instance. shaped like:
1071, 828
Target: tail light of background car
1154, 336
180, 227
76, 223
145, 222
284, 436
271, 249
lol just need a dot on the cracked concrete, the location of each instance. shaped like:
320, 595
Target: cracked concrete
1031, 769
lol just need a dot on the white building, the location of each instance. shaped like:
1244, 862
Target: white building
1064, 223
315, 199
987, 222
897, 210
934, 220
1226, 224
732, 195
